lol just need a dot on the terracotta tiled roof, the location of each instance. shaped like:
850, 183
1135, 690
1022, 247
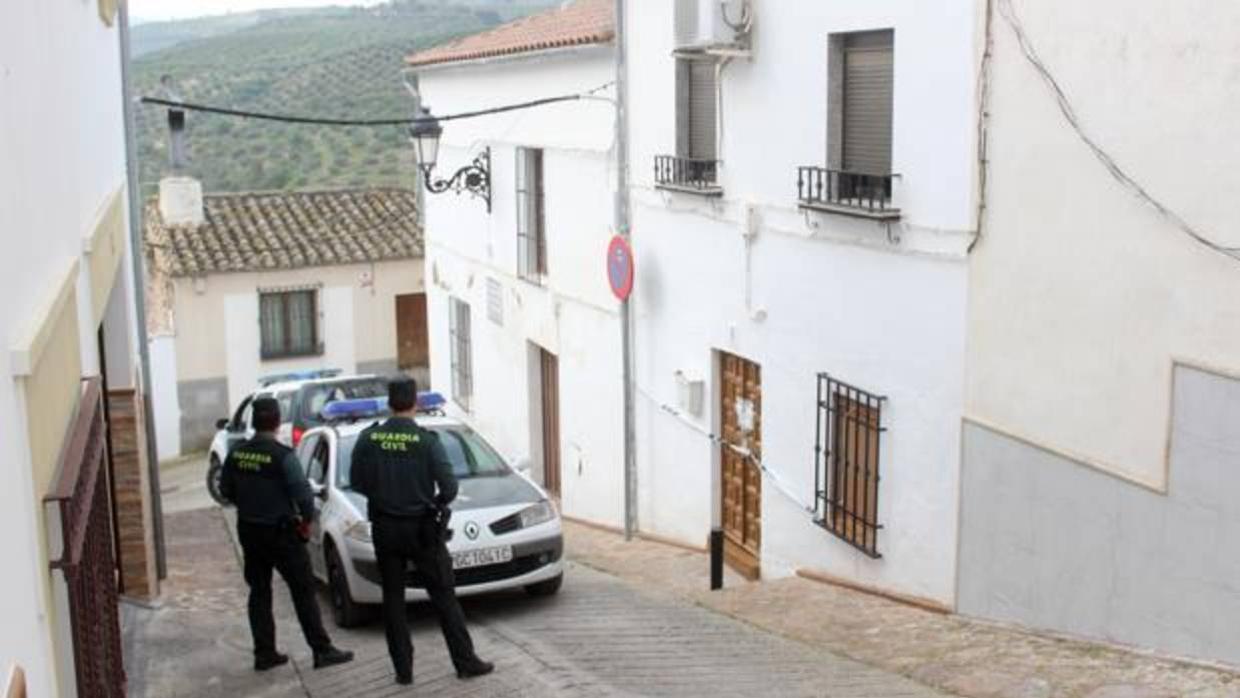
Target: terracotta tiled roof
572, 24
288, 230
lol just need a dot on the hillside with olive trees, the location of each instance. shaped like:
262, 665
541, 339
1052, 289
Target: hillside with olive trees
335, 62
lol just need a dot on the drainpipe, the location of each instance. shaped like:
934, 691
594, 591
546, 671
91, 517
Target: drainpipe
626, 313
139, 294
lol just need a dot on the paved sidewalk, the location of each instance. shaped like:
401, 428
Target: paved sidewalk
968, 658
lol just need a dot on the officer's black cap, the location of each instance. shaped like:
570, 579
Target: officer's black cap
402, 394
266, 414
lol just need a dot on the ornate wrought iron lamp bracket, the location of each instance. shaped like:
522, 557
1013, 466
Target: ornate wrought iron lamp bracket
474, 178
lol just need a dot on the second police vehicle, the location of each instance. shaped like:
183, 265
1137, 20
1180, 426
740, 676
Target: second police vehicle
506, 532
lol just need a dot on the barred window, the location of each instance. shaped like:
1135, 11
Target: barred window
289, 324
848, 449
461, 351
531, 216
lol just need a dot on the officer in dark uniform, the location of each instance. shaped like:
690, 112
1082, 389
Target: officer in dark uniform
265, 481
407, 479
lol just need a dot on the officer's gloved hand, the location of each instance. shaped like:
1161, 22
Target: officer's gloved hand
442, 515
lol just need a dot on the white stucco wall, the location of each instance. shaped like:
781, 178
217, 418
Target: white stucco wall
881, 309
572, 314
164, 403
1110, 292
61, 158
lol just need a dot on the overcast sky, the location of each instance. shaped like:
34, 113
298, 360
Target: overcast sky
180, 9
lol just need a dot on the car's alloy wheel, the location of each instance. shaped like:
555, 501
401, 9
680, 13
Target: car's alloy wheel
346, 612
215, 471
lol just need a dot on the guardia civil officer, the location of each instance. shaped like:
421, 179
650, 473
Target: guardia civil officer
407, 479
265, 480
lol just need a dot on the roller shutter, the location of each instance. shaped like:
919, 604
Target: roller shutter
868, 80
697, 100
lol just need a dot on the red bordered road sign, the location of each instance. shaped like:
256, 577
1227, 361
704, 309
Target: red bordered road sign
620, 267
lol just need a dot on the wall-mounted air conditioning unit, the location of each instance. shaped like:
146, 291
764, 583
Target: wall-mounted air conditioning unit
702, 25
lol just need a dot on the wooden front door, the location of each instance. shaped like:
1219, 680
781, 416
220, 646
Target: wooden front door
741, 417
551, 421
412, 347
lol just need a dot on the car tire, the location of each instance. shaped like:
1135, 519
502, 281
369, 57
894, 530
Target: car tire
215, 470
546, 588
346, 612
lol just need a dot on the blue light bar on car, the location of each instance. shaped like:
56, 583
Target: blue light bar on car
358, 408
431, 402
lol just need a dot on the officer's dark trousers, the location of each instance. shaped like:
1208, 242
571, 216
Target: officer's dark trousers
398, 541
273, 547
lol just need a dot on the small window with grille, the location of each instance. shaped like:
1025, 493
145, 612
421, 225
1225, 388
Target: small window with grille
531, 216
289, 325
461, 350
849, 449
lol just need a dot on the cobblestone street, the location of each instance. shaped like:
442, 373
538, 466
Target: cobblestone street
599, 637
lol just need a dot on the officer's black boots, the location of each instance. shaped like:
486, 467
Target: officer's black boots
331, 657
263, 662
404, 679
474, 667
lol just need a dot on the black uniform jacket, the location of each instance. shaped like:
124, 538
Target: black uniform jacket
402, 470
266, 482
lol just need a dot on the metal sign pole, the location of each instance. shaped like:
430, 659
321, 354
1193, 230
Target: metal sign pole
626, 313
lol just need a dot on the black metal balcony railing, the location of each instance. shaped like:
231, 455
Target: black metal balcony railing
692, 174
854, 193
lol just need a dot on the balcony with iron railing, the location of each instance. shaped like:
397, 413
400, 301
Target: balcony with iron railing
692, 175
847, 193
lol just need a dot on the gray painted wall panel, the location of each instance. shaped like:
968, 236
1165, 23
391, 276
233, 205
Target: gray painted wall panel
202, 403
1050, 543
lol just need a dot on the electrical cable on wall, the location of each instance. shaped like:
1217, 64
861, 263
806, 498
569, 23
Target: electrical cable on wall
745, 453
1008, 11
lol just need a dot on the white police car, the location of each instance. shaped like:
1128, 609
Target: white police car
506, 531
302, 395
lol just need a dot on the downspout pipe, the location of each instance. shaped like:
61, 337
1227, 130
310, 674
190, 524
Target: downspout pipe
139, 293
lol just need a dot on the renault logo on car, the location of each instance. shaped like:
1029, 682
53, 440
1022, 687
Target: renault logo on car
471, 530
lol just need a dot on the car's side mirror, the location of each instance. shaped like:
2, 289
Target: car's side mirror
319, 491
222, 423
524, 465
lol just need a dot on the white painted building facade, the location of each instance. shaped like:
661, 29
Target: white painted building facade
65, 275
537, 342
738, 268
1103, 383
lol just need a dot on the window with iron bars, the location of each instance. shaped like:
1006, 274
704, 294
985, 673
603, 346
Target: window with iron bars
848, 449
289, 323
531, 216
461, 349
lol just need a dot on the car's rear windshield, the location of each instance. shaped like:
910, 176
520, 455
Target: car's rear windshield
315, 396
469, 454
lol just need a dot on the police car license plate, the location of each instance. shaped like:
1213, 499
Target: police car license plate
481, 557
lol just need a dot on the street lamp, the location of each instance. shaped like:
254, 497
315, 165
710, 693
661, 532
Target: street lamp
474, 178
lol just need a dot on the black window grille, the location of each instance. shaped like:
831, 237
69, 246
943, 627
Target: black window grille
848, 449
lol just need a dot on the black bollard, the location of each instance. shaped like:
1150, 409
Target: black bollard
716, 559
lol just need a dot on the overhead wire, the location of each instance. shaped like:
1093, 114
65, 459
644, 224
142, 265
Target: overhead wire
397, 121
